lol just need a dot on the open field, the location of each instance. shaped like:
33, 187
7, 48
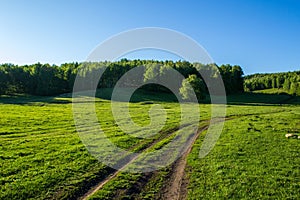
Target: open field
42, 156
252, 159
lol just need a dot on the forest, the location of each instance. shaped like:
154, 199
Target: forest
285, 82
46, 80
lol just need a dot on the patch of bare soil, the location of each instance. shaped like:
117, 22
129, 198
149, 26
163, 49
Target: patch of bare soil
176, 186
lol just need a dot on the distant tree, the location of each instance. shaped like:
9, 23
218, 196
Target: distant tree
45, 79
238, 80
169, 76
4, 80
286, 85
192, 85
279, 81
288, 81
152, 73
233, 78
274, 82
185, 68
293, 88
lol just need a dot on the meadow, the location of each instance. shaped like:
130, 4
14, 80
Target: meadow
42, 156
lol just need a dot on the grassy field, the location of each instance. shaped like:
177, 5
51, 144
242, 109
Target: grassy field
252, 159
42, 156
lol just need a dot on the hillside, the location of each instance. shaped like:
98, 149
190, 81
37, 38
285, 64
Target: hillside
276, 83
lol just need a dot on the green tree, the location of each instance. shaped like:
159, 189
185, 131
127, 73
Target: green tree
190, 86
293, 88
286, 85
152, 73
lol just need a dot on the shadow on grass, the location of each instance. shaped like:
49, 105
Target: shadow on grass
148, 97
257, 99
140, 95
101, 94
23, 99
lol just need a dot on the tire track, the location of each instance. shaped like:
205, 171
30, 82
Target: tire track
173, 189
176, 185
129, 160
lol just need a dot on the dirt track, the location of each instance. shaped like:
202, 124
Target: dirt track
97, 187
176, 184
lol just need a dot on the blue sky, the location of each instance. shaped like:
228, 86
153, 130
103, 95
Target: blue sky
259, 35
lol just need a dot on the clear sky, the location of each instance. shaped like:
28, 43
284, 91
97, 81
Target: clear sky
259, 35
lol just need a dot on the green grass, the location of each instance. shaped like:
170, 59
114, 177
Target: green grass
271, 91
252, 159
116, 188
42, 155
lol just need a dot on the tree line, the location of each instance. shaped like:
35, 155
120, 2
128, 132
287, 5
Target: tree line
288, 82
47, 80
